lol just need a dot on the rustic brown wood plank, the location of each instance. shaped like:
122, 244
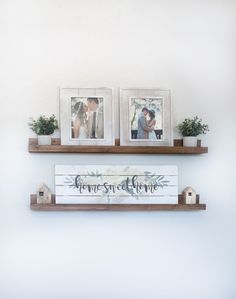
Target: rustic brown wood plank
116, 149
113, 207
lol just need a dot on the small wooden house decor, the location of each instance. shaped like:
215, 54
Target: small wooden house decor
189, 195
44, 195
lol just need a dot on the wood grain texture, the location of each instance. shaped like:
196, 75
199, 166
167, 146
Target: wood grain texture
56, 147
113, 207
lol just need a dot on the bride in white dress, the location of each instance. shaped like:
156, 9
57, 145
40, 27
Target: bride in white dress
151, 123
80, 124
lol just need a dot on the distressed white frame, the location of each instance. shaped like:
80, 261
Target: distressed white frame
65, 115
125, 95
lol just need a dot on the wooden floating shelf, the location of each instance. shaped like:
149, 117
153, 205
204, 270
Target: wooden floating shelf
115, 207
56, 147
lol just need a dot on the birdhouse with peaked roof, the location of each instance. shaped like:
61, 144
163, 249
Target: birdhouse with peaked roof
189, 195
44, 195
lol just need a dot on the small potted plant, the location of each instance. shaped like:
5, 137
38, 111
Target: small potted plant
44, 127
190, 129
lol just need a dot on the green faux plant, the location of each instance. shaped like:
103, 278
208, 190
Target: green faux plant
192, 127
44, 125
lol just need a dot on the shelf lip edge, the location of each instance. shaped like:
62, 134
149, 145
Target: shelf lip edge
55, 207
33, 148
114, 207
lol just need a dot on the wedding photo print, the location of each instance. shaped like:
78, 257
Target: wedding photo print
86, 116
145, 117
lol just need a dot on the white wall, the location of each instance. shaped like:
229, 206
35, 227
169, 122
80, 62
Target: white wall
185, 46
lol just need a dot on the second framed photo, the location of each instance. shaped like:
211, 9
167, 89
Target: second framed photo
145, 117
86, 116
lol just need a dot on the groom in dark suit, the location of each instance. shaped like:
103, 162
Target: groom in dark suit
95, 119
143, 128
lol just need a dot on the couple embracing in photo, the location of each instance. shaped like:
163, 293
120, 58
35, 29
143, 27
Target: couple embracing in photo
88, 123
146, 124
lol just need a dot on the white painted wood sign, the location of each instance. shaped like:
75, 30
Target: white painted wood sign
111, 184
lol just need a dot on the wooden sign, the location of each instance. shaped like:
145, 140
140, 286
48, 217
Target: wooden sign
110, 184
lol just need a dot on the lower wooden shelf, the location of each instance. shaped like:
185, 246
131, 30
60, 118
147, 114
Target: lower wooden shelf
114, 207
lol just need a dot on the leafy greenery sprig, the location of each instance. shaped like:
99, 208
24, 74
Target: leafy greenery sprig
44, 125
192, 127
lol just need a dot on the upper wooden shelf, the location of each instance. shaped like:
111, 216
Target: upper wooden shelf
56, 147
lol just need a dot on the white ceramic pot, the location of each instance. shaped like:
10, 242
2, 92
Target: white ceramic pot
44, 140
190, 141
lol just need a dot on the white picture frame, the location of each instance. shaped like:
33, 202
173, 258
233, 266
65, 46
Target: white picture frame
86, 116
145, 117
